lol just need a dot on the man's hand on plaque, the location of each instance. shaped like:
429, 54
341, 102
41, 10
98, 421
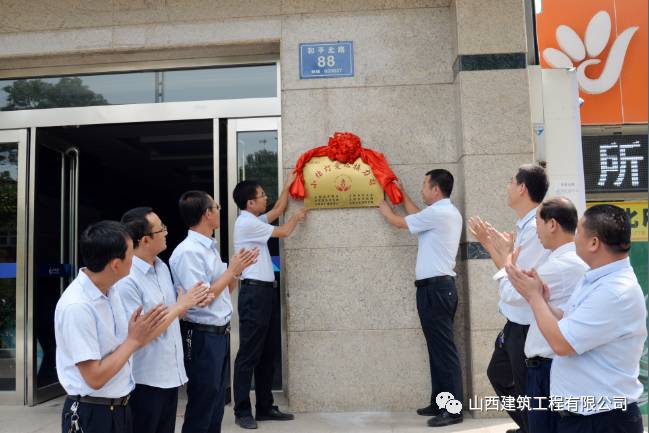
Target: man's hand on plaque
385, 209
290, 179
300, 214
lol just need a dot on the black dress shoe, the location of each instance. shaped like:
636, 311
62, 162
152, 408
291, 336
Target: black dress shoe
444, 419
274, 414
429, 410
246, 421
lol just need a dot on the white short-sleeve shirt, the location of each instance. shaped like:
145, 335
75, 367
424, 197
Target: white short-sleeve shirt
438, 228
605, 321
511, 304
197, 259
561, 272
160, 363
89, 325
251, 231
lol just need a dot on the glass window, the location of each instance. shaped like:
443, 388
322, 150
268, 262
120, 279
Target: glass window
82, 91
257, 160
236, 82
222, 83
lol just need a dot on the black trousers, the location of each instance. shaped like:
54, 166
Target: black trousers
538, 385
154, 409
98, 418
258, 318
207, 373
436, 305
507, 371
615, 421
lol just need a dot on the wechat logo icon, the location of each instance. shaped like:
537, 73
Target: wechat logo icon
445, 400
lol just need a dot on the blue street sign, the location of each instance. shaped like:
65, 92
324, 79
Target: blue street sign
327, 60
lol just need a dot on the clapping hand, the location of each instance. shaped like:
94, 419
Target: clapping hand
480, 230
142, 328
196, 296
241, 260
503, 242
527, 283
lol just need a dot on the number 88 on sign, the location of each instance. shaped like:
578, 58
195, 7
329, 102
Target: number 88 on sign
327, 60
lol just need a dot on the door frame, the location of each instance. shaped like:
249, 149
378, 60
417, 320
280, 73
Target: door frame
69, 188
246, 125
31, 120
19, 136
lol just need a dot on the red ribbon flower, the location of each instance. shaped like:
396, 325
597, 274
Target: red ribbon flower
345, 147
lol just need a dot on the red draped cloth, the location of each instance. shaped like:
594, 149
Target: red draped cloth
345, 148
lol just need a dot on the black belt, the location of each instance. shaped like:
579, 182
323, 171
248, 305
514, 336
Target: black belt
249, 282
536, 361
434, 280
223, 329
565, 413
121, 401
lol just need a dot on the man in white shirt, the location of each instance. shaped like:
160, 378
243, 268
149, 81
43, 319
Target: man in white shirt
438, 228
95, 339
158, 368
258, 303
600, 335
205, 330
507, 371
556, 222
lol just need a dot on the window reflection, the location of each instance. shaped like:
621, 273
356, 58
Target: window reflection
257, 81
257, 160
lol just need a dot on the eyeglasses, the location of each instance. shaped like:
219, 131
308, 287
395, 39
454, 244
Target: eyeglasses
215, 206
263, 194
163, 229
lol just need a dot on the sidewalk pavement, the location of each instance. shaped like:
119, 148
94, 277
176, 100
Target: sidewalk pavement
46, 418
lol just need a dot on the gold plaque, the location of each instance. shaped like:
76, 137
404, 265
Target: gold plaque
331, 184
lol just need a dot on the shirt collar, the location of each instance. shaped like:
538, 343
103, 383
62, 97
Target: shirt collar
88, 286
595, 274
141, 265
247, 214
442, 202
526, 219
565, 248
202, 239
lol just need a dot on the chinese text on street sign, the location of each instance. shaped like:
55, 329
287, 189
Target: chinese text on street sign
327, 60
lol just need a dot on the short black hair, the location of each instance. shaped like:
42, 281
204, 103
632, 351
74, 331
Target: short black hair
137, 224
562, 211
244, 191
102, 242
611, 225
192, 205
443, 179
535, 180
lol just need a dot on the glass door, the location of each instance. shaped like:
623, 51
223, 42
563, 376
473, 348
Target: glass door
255, 153
54, 256
13, 144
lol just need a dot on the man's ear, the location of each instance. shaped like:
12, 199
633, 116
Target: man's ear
522, 189
114, 264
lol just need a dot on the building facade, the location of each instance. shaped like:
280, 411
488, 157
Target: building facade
436, 84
